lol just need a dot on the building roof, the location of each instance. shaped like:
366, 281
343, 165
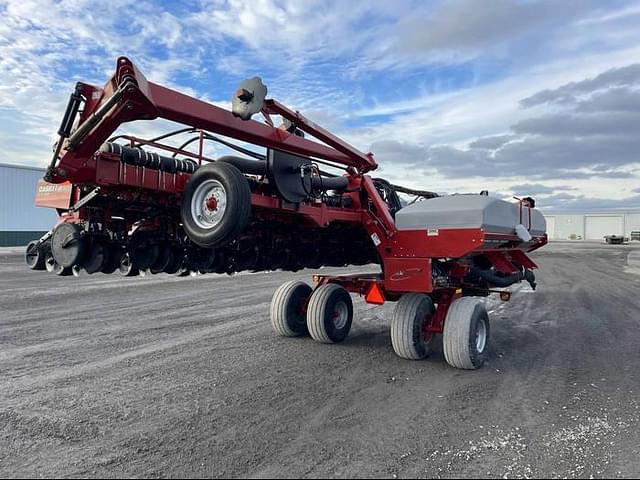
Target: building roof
21, 167
605, 212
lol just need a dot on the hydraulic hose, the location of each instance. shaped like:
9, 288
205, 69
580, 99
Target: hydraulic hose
505, 280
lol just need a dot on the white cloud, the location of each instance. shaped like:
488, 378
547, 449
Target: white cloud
324, 57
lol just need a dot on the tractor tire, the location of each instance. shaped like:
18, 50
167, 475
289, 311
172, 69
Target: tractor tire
466, 334
413, 313
329, 314
35, 257
287, 311
216, 205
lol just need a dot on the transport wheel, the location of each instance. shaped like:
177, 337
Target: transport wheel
35, 257
216, 204
68, 245
409, 327
287, 311
127, 268
329, 314
466, 334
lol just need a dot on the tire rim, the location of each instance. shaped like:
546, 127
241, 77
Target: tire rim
340, 315
481, 336
209, 204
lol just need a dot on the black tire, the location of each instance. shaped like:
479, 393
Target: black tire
288, 309
112, 263
143, 249
97, 258
176, 259
162, 260
412, 314
466, 323
34, 256
127, 267
329, 314
234, 218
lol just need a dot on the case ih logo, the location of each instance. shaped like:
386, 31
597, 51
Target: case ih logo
52, 188
405, 274
53, 195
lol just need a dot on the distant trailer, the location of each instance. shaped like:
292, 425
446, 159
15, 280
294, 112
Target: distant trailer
615, 239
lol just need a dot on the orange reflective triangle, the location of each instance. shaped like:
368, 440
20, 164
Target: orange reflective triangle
375, 295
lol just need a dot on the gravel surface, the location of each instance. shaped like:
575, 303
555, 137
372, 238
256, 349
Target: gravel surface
164, 377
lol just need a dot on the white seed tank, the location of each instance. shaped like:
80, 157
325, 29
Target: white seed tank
469, 211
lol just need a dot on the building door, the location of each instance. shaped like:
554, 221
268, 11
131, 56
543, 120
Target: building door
551, 227
597, 226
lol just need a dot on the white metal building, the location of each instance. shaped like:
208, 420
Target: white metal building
591, 226
20, 220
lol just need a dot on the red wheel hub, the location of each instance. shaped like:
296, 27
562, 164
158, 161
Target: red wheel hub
212, 203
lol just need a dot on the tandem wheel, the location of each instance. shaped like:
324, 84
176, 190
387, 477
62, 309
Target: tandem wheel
330, 313
465, 339
410, 335
288, 309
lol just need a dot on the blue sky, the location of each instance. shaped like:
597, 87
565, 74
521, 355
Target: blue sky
516, 97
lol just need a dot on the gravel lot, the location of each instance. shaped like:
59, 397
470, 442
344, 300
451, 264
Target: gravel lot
159, 376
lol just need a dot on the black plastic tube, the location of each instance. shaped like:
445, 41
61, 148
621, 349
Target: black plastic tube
505, 280
246, 165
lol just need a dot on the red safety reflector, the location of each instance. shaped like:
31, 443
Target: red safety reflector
374, 295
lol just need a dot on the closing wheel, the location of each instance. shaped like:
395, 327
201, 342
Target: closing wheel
162, 260
465, 338
288, 309
143, 249
216, 204
127, 268
49, 263
97, 258
114, 252
410, 335
35, 256
329, 314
